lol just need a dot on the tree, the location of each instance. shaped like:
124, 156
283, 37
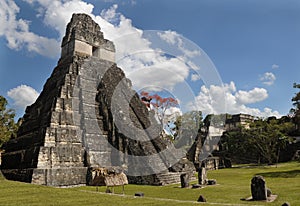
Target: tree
188, 125
296, 110
261, 143
189, 133
8, 127
166, 110
191, 120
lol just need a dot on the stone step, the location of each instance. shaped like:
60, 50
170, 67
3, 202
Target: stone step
171, 178
168, 178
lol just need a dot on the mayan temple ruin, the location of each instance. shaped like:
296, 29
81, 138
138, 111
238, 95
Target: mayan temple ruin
79, 121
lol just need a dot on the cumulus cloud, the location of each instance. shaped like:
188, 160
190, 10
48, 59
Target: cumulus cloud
58, 14
252, 96
17, 33
171, 114
116, 27
174, 38
268, 78
23, 96
161, 75
275, 66
218, 100
110, 14
140, 57
144, 65
195, 77
169, 36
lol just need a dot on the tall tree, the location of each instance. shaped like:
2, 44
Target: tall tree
261, 143
189, 133
188, 124
166, 110
8, 127
296, 110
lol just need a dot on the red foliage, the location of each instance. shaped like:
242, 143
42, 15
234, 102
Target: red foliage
159, 101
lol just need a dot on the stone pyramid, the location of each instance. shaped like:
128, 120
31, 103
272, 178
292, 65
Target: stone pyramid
87, 116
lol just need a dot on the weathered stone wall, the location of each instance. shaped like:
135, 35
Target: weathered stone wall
50, 148
48, 137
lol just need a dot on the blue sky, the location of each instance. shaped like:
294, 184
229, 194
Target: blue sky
254, 45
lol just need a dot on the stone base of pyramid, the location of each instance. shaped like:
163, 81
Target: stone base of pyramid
58, 177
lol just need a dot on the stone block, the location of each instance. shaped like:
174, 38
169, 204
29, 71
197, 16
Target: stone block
66, 118
44, 158
201, 199
50, 136
96, 142
91, 126
64, 154
139, 194
88, 110
258, 188
89, 85
60, 176
74, 104
211, 182
104, 52
202, 176
67, 134
68, 104
185, 180
75, 91
99, 159
39, 177
55, 117
195, 186
83, 47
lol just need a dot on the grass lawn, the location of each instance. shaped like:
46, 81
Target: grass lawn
233, 184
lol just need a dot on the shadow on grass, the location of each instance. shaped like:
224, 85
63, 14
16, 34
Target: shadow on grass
283, 174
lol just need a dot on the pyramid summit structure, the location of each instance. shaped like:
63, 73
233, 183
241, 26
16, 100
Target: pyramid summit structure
87, 116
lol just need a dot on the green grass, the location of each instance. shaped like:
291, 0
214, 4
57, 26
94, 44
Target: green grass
233, 184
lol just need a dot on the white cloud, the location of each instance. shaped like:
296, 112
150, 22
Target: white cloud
17, 33
169, 36
140, 57
171, 114
56, 14
144, 65
268, 78
110, 14
275, 66
252, 96
173, 38
218, 100
164, 74
195, 77
23, 96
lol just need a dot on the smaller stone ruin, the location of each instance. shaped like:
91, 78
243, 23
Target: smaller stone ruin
258, 188
109, 177
202, 176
